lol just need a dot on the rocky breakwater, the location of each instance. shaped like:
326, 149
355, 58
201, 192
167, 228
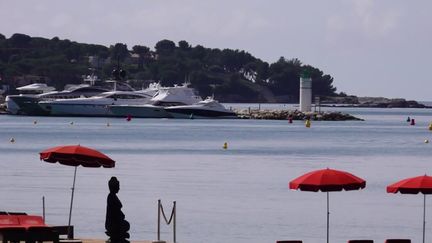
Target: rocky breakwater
294, 115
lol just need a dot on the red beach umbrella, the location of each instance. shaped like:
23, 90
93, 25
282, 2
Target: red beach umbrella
327, 180
414, 185
76, 155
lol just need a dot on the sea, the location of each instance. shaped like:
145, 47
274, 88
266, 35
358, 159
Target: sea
236, 195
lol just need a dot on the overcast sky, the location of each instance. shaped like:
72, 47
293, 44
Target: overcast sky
371, 48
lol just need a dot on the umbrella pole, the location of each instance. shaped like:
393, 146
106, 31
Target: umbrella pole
424, 217
72, 196
328, 216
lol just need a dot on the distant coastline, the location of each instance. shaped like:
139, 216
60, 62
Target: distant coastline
372, 102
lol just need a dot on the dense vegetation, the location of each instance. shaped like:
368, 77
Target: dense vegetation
231, 75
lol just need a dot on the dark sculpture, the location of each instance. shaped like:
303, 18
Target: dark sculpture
115, 224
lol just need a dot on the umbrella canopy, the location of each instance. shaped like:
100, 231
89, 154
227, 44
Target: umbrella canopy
414, 185
76, 155
327, 180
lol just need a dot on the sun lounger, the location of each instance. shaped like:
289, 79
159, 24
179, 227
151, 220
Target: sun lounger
29, 228
398, 241
10, 229
37, 230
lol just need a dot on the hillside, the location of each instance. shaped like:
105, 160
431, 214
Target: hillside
231, 75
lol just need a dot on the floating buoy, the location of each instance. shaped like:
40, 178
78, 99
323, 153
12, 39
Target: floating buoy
430, 126
290, 119
108, 124
225, 146
426, 141
412, 122
12, 140
128, 118
35, 122
71, 123
308, 123
408, 119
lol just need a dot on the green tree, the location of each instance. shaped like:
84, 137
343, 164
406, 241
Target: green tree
142, 51
165, 47
119, 52
184, 45
20, 40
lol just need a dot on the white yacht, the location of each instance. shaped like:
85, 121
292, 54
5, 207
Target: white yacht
15, 103
177, 95
93, 106
205, 109
24, 104
165, 96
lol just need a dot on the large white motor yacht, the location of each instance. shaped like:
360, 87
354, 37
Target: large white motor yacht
177, 95
165, 96
205, 109
95, 105
15, 103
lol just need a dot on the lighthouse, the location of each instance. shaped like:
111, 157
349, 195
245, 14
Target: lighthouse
305, 93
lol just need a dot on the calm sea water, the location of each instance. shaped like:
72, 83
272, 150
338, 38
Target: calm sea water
236, 195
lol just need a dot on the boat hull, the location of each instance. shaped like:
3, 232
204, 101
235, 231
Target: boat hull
90, 110
139, 111
186, 113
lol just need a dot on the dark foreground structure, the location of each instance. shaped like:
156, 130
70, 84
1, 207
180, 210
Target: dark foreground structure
115, 224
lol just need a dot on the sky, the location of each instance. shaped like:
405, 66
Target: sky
371, 48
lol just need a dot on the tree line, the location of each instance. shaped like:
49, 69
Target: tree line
229, 75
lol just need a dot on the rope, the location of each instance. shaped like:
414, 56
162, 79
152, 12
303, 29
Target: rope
163, 214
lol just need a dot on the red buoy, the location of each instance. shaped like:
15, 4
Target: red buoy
289, 119
128, 118
412, 122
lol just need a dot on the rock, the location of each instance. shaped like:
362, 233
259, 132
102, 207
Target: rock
294, 115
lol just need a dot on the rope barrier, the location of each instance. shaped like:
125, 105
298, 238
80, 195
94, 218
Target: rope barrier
168, 222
